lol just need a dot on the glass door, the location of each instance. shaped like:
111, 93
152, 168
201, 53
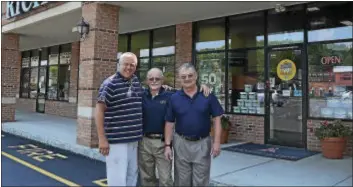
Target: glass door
42, 84
285, 91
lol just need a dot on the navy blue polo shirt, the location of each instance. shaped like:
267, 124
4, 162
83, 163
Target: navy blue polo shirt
193, 115
154, 110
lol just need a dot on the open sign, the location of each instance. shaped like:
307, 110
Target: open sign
327, 60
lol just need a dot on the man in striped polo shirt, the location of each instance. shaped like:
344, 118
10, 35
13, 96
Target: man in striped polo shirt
119, 122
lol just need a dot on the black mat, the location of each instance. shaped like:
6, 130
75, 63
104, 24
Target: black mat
279, 152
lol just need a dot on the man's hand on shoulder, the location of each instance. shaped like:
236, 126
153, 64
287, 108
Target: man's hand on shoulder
205, 89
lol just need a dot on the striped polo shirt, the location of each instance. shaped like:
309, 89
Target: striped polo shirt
123, 116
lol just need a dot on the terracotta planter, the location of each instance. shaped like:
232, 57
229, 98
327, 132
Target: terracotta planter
333, 148
224, 135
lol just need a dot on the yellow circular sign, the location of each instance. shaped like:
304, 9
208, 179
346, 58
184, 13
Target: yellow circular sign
286, 70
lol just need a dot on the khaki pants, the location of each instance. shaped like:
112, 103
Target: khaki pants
151, 156
192, 161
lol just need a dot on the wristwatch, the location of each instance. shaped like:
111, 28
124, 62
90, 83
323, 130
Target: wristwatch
167, 145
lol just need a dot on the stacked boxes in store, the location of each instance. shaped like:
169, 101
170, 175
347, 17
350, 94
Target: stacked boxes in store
250, 102
337, 108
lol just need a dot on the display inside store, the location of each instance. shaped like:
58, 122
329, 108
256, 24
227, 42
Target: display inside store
250, 101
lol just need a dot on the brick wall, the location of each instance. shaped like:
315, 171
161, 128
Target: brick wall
97, 62
10, 75
37, 10
59, 108
26, 104
183, 46
314, 142
247, 128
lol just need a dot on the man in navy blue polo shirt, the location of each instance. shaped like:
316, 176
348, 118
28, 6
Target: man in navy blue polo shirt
193, 147
151, 148
119, 122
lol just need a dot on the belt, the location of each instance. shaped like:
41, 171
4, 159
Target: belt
192, 138
153, 135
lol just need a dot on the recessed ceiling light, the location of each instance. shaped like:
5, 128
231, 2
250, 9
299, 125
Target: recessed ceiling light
346, 22
313, 9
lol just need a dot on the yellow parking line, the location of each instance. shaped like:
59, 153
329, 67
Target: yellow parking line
40, 170
101, 182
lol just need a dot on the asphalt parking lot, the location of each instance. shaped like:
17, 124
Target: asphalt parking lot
29, 163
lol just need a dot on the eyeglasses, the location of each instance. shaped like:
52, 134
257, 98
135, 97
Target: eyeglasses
152, 79
188, 76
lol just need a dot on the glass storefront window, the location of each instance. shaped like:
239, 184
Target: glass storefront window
34, 73
142, 70
53, 83
25, 82
163, 53
330, 80
329, 21
33, 82
25, 74
245, 35
140, 44
210, 35
163, 41
64, 82
246, 81
211, 71
286, 27
166, 64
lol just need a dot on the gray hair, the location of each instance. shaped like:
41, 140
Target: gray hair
155, 69
186, 66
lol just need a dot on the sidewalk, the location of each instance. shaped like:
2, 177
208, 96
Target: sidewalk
229, 169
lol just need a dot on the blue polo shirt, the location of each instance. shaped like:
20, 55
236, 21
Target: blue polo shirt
193, 115
154, 110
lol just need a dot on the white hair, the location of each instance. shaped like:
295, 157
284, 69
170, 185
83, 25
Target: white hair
155, 69
125, 55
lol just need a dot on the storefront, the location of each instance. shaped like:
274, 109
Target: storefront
277, 71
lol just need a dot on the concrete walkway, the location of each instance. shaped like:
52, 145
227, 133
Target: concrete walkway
229, 169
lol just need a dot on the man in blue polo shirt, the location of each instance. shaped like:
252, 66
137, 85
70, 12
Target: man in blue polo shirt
119, 122
151, 148
193, 147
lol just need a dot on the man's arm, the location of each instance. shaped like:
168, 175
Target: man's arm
99, 119
168, 132
216, 112
101, 106
217, 129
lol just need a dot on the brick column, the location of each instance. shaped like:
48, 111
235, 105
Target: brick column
97, 62
10, 75
183, 46
75, 60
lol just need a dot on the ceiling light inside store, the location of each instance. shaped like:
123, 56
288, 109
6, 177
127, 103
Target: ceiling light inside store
280, 8
346, 22
313, 9
316, 23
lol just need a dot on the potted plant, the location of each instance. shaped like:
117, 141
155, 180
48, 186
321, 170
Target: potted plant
333, 137
225, 123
